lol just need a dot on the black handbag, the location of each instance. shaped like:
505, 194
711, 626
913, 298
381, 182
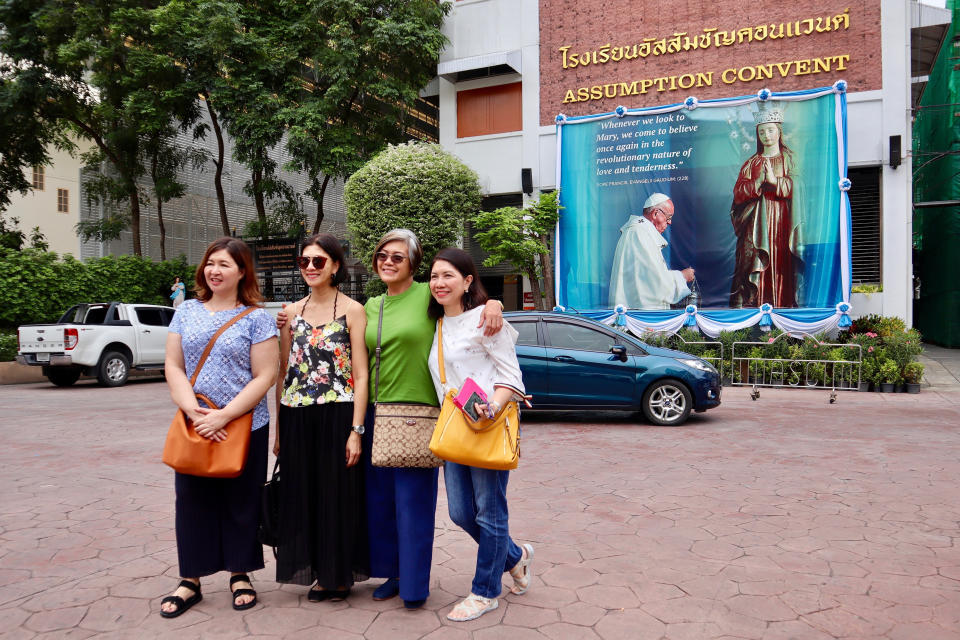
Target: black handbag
269, 530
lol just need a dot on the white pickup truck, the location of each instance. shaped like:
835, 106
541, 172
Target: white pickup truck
102, 339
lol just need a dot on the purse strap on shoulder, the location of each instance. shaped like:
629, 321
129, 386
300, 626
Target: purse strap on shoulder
206, 352
443, 372
376, 384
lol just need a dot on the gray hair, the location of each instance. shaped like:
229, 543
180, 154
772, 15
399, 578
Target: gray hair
414, 251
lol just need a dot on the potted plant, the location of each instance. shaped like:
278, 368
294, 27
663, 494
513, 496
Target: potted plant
912, 374
867, 373
889, 375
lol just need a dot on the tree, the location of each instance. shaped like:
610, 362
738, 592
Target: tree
522, 237
12, 237
164, 161
359, 76
92, 70
418, 186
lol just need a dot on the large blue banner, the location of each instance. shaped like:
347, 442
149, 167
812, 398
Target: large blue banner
724, 204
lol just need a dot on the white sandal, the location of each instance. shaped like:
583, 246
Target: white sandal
472, 607
521, 572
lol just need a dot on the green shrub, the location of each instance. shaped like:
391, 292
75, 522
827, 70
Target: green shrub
889, 372
8, 345
38, 286
913, 373
417, 186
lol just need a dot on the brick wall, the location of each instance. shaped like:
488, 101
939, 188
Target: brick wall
585, 26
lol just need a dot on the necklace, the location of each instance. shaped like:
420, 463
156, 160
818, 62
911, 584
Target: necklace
215, 311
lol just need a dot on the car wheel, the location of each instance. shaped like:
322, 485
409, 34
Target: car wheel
667, 403
63, 377
113, 370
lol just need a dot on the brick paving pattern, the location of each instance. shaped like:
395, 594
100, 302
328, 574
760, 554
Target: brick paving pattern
782, 518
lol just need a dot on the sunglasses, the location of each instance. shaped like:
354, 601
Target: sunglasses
318, 262
393, 258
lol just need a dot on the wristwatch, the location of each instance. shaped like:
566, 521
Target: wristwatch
358, 428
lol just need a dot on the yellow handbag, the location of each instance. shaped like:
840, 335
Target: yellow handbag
488, 444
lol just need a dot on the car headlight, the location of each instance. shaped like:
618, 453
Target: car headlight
700, 365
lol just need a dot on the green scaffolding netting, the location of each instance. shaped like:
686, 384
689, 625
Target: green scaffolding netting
936, 177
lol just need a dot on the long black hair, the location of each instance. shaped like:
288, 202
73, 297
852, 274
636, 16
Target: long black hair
460, 260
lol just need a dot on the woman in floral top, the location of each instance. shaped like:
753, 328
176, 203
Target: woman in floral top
321, 400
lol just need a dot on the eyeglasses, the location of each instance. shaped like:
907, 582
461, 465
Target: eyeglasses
318, 262
666, 217
393, 258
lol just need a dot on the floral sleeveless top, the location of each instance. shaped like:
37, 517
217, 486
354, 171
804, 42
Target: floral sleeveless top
319, 369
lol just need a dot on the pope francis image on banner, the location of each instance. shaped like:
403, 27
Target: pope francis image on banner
640, 278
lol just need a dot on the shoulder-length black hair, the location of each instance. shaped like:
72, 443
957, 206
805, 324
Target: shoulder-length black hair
332, 247
248, 290
475, 296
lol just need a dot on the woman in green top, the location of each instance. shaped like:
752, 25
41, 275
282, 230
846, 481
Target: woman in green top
401, 502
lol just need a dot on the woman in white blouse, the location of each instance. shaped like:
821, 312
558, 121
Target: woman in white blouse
477, 498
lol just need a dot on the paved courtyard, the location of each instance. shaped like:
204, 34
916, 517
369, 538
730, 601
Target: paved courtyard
783, 518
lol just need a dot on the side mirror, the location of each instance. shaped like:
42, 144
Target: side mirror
620, 351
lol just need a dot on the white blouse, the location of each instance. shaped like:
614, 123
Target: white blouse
467, 353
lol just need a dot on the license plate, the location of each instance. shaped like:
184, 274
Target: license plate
43, 357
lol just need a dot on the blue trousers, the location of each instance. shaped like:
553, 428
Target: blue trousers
401, 514
477, 500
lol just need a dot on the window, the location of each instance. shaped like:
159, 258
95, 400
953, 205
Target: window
489, 110
152, 317
63, 201
563, 335
527, 331
865, 218
38, 177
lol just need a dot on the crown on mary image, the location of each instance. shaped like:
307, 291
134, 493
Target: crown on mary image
764, 115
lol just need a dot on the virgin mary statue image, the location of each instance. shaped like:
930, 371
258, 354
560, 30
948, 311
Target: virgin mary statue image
766, 222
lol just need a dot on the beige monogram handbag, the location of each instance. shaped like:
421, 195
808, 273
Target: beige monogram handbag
401, 431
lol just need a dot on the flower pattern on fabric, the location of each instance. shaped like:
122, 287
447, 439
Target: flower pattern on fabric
319, 368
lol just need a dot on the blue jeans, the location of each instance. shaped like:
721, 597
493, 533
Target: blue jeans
477, 500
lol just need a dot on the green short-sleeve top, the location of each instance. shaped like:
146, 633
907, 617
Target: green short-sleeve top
404, 346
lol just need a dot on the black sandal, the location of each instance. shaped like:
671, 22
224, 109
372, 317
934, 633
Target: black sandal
182, 605
242, 577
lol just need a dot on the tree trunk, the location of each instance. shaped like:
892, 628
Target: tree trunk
256, 182
218, 163
163, 231
134, 196
547, 269
535, 287
323, 190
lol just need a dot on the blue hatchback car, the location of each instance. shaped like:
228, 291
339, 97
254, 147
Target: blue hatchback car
572, 362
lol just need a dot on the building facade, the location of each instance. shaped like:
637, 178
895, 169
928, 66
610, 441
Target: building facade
513, 65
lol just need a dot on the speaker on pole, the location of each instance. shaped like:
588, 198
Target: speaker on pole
894, 152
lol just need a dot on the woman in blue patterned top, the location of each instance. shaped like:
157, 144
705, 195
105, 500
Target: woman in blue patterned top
217, 518
321, 401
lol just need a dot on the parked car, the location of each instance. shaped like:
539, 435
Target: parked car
104, 339
571, 362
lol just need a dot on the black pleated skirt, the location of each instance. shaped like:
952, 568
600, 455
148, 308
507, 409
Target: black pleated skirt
217, 518
323, 529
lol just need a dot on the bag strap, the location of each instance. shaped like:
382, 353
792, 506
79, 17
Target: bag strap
209, 347
376, 384
443, 372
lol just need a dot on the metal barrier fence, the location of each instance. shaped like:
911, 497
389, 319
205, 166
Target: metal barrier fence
663, 338
751, 366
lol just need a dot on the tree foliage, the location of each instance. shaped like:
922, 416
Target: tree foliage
522, 237
358, 78
418, 186
90, 70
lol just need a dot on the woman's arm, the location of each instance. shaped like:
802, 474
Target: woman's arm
263, 367
508, 383
360, 366
175, 372
284, 355
491, 317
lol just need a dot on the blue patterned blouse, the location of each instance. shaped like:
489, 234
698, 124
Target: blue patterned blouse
227, 369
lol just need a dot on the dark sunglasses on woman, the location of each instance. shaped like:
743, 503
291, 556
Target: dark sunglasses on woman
318, 262
393, 258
